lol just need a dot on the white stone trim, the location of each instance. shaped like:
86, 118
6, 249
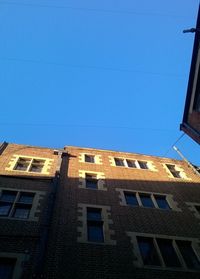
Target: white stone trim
107, 221
45, 170
97, 158
138, 262
150, 164
100, 178
169, 197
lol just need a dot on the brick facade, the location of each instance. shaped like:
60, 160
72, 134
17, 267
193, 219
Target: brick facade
61, 232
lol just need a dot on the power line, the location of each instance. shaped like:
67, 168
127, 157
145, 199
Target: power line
101, 68
183, 134
68, 125
89, 9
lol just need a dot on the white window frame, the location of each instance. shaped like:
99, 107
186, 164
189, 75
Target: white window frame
138, 261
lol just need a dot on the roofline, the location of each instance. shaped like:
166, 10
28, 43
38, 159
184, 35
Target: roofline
122, 152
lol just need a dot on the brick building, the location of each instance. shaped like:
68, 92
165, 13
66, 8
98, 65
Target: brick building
90, 213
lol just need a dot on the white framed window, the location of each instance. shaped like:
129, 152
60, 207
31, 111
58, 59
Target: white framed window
129, 163
27, 164
92, 180
163, 252
95, 221
22, 205
146, 199
174, 171
132, 163
90, 158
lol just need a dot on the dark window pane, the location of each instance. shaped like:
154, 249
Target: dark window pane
188, 254
143, 165
36, 168
91, 183
162, 202
173, 171
5, 209
26, 198
148, 251
197, 207
21, 212
131, 163
119, 162
176, 174
89, 158
94, 214
21, 167
168, 253
6, 268
131, 199
95, 231
37, 165
8, 196
22, 164
146, 200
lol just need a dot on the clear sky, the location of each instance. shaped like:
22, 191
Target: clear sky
108, 74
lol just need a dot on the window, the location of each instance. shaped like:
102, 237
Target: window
174, 172
16, 204
131, 199
131, 163
94, 220
91, 181
94, 225
89, 158
143, 165
148, 251
167, 253
161, 202
146, 200
7, 267
119, 162
29, 164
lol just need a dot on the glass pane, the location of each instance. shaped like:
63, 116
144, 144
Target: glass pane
131, 163
146, 200
162, 202
95, 231
21, 167
119, 162
26, 198
171, 167
188, 254
6, 268
176, 174
168, 253
131, 199
5, 209
21, 212
94, 214
92, 183
148, 251
8, 196
36, 168
197, 207
143, 165
89, 158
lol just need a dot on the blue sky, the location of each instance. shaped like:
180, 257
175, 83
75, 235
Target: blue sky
103, 74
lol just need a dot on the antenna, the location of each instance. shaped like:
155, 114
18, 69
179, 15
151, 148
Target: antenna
183, 157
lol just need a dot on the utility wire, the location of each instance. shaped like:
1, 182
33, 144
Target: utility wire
100, 68
89, 9
84, 126
173, 144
